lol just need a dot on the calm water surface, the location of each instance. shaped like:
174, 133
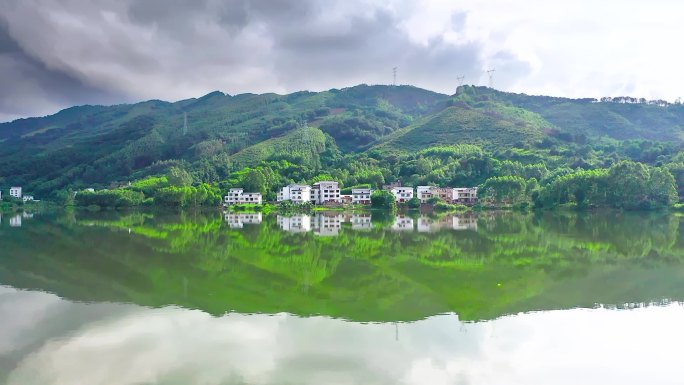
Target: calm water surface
206, 298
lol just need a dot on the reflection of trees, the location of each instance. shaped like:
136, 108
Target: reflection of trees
197, 260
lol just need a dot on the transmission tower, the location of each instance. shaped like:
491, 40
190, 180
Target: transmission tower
394, 76
460, 81
490, 72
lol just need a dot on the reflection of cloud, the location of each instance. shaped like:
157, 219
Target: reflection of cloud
178, 346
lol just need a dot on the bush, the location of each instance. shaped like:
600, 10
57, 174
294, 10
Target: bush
413, 203
382, 199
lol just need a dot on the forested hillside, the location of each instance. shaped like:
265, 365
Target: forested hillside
357, 135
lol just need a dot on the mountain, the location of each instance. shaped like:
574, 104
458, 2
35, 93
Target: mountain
99, 145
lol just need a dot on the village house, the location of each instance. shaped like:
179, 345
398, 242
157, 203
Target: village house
295, 193
326, 192
361, 196
424, 193
238, 196
402, 194
15, 192
467, 195
28, 198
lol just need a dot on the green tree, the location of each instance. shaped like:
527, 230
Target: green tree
179, 177
381, 199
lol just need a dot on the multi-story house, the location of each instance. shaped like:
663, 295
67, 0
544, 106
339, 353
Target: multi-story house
402, 194
361, 196
424, 193
295, 193
466, 195
15, 192
295, 223
326, 192
28, 198
238, 195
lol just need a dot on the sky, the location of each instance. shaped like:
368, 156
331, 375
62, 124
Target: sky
59, 53
51, 341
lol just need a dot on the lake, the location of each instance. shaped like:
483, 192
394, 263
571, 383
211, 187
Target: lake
341, 298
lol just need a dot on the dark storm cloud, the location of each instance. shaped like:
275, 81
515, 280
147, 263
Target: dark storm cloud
30, 88
54, 54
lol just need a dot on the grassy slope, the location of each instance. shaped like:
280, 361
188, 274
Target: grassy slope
492, 126
305, 142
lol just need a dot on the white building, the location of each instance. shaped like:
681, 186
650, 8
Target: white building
236, 220
424, 193
402, 194
465, 194
325, 192
15, 192
295, 193
28, 198
238, 195
295, 223
361, 196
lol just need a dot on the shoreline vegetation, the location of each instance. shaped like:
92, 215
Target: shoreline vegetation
626, 185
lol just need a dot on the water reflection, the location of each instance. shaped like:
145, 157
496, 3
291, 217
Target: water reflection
15, 220
50, 341
330, 223
374, 267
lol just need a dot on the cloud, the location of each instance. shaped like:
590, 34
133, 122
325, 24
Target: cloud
128, 344
104, 50
55, 54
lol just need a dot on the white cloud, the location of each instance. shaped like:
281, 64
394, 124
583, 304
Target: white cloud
134, 345
124, 50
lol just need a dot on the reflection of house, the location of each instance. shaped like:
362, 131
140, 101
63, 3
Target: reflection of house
238, 196
403, 223
402, 194
451, 222
465, 195
361, 221
295, 223
295, 193
325, 192
15, 221
235, 220
327, 224
464, 222
15, 192
361, 196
